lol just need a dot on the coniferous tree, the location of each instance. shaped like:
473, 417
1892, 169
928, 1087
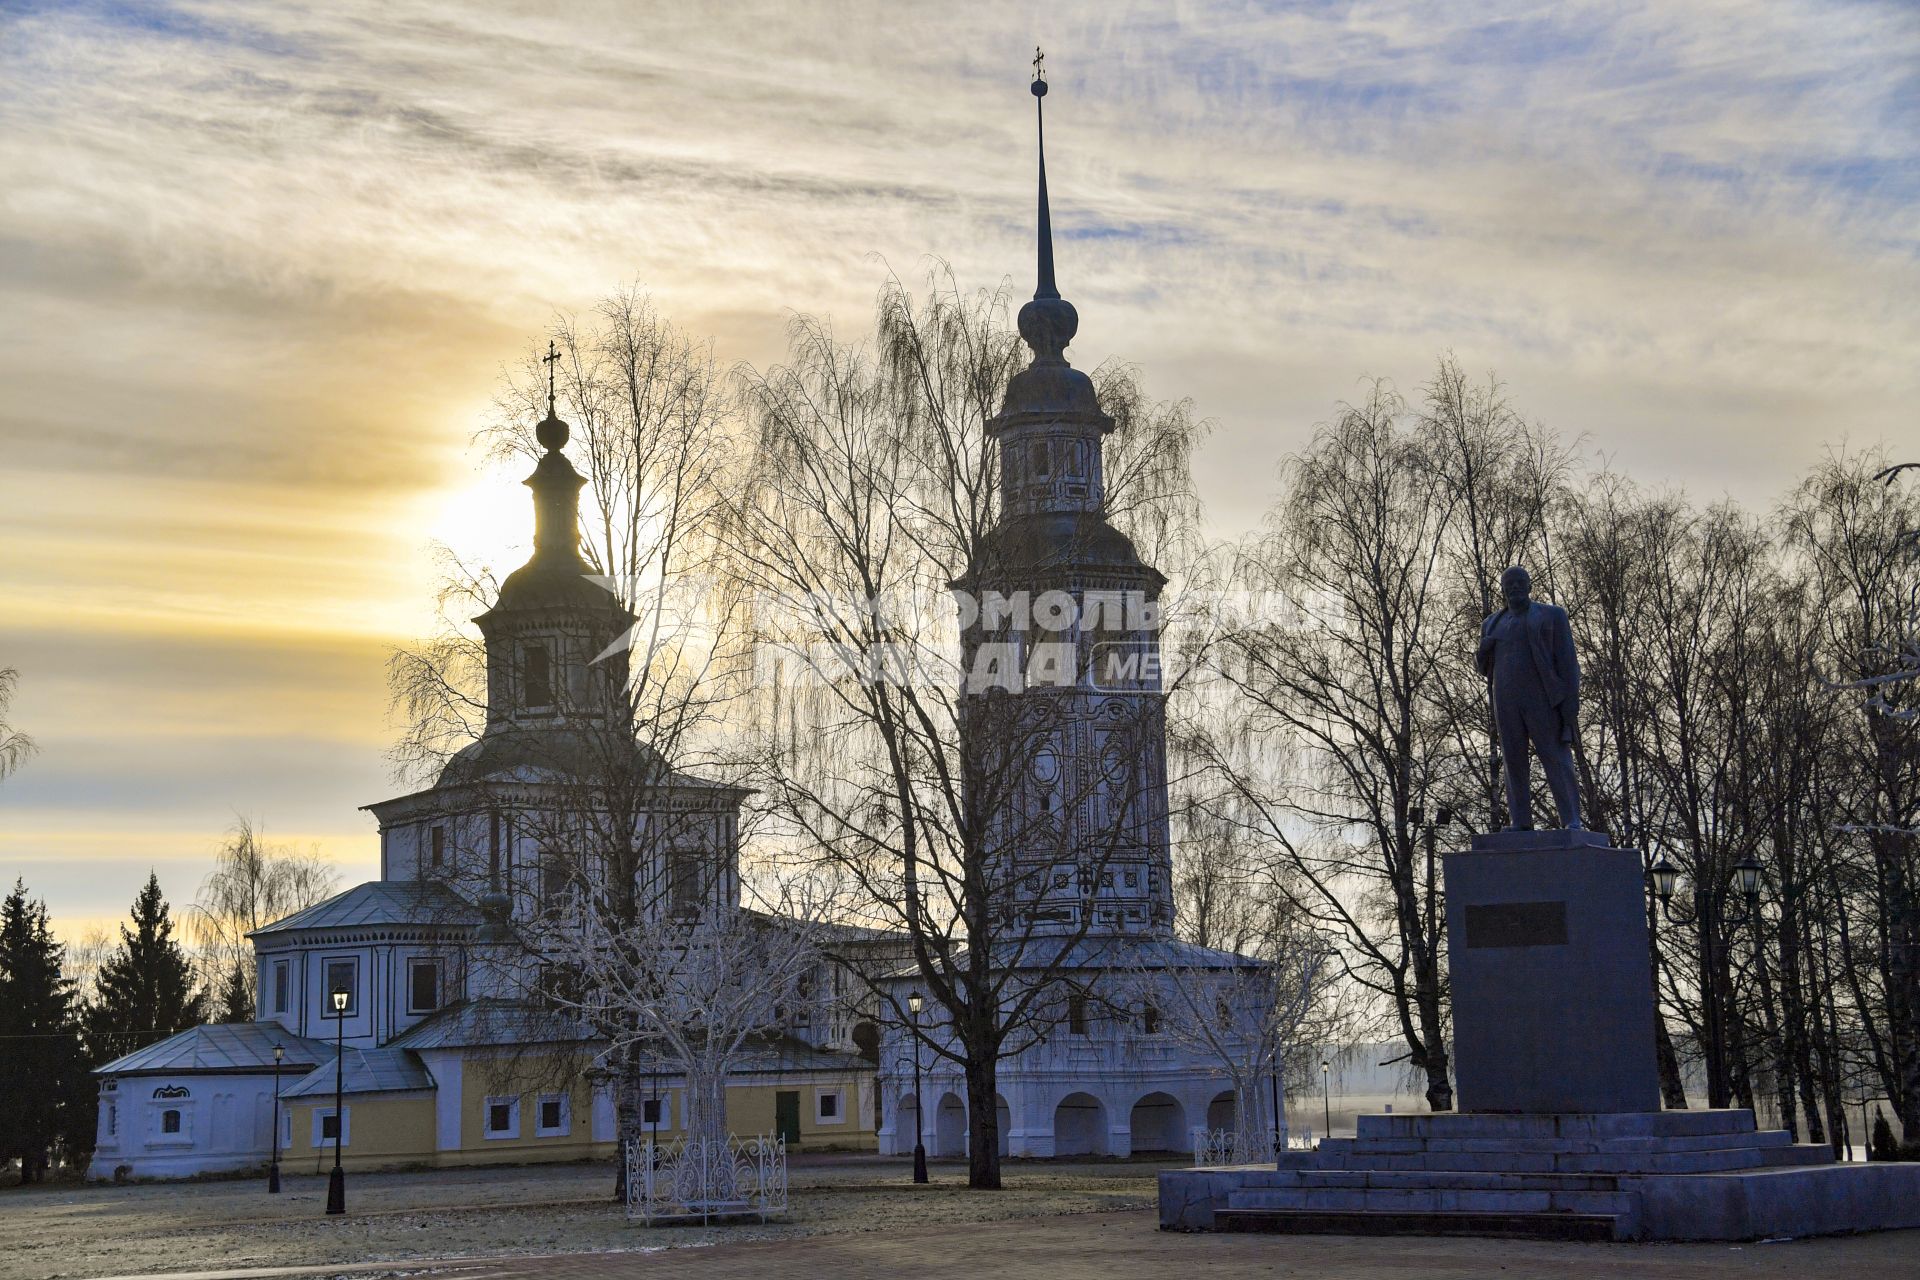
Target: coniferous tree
236, 996
145, 989
46, 1096
1882, 1146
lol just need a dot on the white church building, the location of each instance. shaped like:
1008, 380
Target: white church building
438, 1067
1089, 849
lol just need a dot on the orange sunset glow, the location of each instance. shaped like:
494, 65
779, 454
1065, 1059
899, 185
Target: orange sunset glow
265, 268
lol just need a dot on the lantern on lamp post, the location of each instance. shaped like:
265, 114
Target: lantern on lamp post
1326, 1096
273, 1160
337, 1182
1711, 917
914, 1001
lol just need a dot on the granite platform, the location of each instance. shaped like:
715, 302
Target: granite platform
1664, 1175
1560, 1133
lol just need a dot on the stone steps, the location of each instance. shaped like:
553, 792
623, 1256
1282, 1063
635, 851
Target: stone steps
1448, 1180
1435, 1200
1698, 1160
1575, 1125
1512, 1226
1727, 1181
1568, 1146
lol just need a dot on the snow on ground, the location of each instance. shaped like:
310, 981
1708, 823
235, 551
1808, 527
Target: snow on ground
85, 1231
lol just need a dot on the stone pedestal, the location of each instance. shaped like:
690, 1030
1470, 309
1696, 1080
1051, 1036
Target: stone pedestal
1560, 1133
1552, 985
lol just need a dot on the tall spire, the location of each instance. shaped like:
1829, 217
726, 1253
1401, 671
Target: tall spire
1045, 288
1049, 322
555, 484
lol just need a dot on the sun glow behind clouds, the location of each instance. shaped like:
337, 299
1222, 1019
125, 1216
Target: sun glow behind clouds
263, 265
487, 523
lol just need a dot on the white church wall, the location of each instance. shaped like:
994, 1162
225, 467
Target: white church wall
1073, 1094
175, 1126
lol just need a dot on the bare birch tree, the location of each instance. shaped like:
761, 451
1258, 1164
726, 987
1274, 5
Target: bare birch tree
252, 884
16, 748
622, 821
1259, 1023
875, 496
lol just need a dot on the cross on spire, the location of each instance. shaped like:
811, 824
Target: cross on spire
552, 361
1044, 287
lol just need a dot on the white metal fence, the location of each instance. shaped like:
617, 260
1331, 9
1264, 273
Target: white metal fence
706, 1178
1229, 1146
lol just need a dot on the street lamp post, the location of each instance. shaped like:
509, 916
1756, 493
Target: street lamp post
337, 1183
1437, 1064
1711, 918
1273, 1082
919, 1116
1326, 1095
273, 1162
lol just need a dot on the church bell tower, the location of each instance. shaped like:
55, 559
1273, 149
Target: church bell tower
1082, 739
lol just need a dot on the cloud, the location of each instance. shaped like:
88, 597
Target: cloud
264, 264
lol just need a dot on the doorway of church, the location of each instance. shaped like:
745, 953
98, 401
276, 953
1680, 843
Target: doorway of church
786, 1116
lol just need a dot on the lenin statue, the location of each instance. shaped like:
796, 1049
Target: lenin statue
1526, 653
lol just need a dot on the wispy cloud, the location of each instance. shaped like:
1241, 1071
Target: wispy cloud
264, 263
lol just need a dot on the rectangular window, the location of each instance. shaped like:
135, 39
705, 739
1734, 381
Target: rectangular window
342, 975
326, 1124
553, 882
423, 986
169, 1121
684, 887
828, 1107
550, 1117
503, 1117
1077, 1013
113, 1120
437, 839
539, 673
653, 1114
282, 977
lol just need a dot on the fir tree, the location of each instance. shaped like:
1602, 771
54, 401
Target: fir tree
236, 996
145, 989
46, 1096
1882, 1147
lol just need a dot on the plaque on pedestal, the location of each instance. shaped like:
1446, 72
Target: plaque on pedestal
1552, 983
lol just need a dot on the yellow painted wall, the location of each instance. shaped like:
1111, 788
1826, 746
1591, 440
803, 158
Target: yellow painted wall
382, 1130
528, 1078
387, 1130
751, 1110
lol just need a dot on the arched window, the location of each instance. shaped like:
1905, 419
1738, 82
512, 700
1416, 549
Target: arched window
169, 1121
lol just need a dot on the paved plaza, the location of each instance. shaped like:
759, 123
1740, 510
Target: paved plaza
852, 1217
1123, 1245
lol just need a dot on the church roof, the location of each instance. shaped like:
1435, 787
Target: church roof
556, 755
383, 902
489, 1021
221, 1047
386, 1070
1127, 952
1054, 540
557, 584
784, 1052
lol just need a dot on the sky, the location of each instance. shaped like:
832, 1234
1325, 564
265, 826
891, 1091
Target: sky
263, 266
